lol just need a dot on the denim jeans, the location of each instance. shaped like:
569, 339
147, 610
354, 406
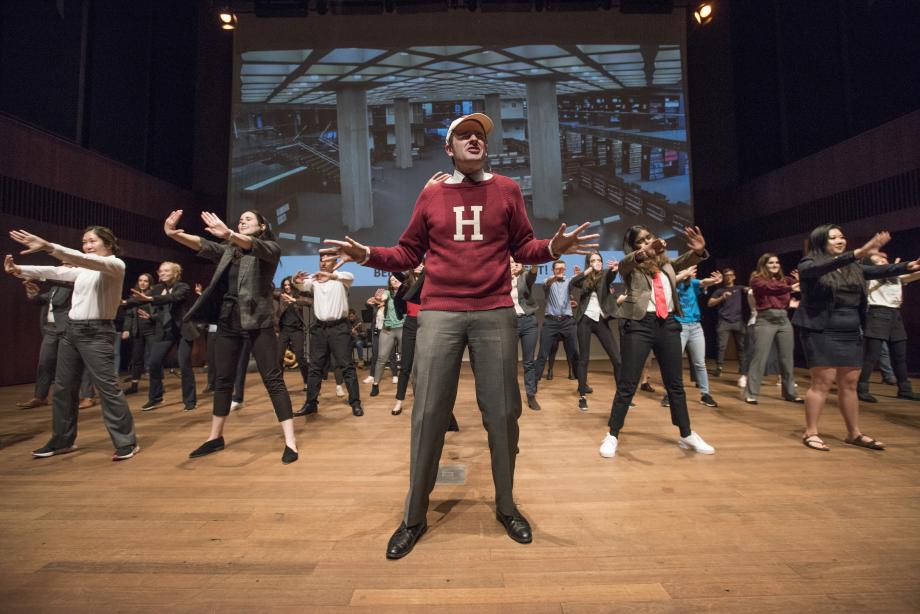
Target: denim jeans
693, 341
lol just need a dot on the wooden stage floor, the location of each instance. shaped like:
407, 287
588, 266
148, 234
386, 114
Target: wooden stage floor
764, 525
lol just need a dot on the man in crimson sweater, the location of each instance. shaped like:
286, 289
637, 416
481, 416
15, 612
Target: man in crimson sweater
468, 224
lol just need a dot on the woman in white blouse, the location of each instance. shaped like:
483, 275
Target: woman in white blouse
97, 275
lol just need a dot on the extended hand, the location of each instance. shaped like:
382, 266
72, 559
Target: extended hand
141, 296
873, 245
321, 277
143, 315
348, 250
33, 243
300, 277
172, 220
438, 177
695, 240
572, 242
10, 266
655, 248
914, 265
215, 225
613, 265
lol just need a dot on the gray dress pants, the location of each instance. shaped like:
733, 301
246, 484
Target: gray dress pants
772, 326
89, 344
442, 337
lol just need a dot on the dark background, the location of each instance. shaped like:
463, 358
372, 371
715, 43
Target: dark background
118, 112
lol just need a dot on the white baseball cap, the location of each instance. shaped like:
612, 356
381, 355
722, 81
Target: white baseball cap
481, 118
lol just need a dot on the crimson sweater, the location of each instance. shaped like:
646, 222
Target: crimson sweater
772, 293
468, 231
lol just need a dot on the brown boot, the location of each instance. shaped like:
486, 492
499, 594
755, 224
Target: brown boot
31, 403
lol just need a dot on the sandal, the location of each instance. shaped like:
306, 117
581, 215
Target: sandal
814, 442
864, 441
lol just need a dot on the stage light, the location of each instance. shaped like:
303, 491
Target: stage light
227, 19
703, 13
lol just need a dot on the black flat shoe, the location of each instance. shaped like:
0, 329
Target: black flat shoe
307, 409
532, 403
403, 540
517, 527
646, 387
588, 389
910, 396
794, 399
208, 447
865, 397
289, 456
357, 410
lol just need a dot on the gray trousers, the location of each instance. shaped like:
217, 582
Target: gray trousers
390, 338
724, 330
47, 363
442, 337
772, 326
89, 344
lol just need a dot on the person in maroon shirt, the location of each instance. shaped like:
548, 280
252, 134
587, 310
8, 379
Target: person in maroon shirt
468, 224
772, 294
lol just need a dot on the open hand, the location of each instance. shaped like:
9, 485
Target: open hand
438, 177
33, 243
146, 298
695, 240
572, 242
873, 245
214, 225
171, 223
348, 250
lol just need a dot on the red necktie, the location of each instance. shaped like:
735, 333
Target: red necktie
661, 302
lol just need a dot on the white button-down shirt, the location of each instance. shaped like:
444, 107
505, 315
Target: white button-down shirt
330, 298
97, 281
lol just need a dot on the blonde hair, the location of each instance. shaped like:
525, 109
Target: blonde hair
176, 267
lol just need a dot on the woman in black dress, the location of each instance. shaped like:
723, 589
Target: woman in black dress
829, 318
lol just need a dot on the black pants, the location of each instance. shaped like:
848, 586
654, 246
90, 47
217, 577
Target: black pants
47, 367
335, 339
898, 352
407, 345
553, 332
139, 347
229, 346
737, 331
294, 338
639, 338
600, 329
242, 368
159, 350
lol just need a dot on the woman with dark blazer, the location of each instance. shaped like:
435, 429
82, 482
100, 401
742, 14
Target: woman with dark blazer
830, 319
292, 328
407, 300
591, 318
139, 328
649, 326
246, 263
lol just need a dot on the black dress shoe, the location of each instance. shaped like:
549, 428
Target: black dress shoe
646, 387
865, 397
794, 399
517, 527
131, 389
910, 396
572, 376
403, 540
357, 410
532, 403
289, 456
307, 409
375, 390
549, 375
208, 447
588, 389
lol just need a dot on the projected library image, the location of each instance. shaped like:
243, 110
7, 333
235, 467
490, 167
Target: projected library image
329, 142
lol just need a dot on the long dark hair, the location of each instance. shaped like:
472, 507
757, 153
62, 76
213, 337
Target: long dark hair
265, 233
849, 275
149, 281
592, 278
651, 265
295, 292
107, 237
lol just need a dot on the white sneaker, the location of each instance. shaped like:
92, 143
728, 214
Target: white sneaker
368, 380
742, 381
395, 379
339, 391
234, 405
609, 446
695, 442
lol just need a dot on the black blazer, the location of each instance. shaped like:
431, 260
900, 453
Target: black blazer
167, 311
57, 299
257, 269
817, 302
603, 293
526, 299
